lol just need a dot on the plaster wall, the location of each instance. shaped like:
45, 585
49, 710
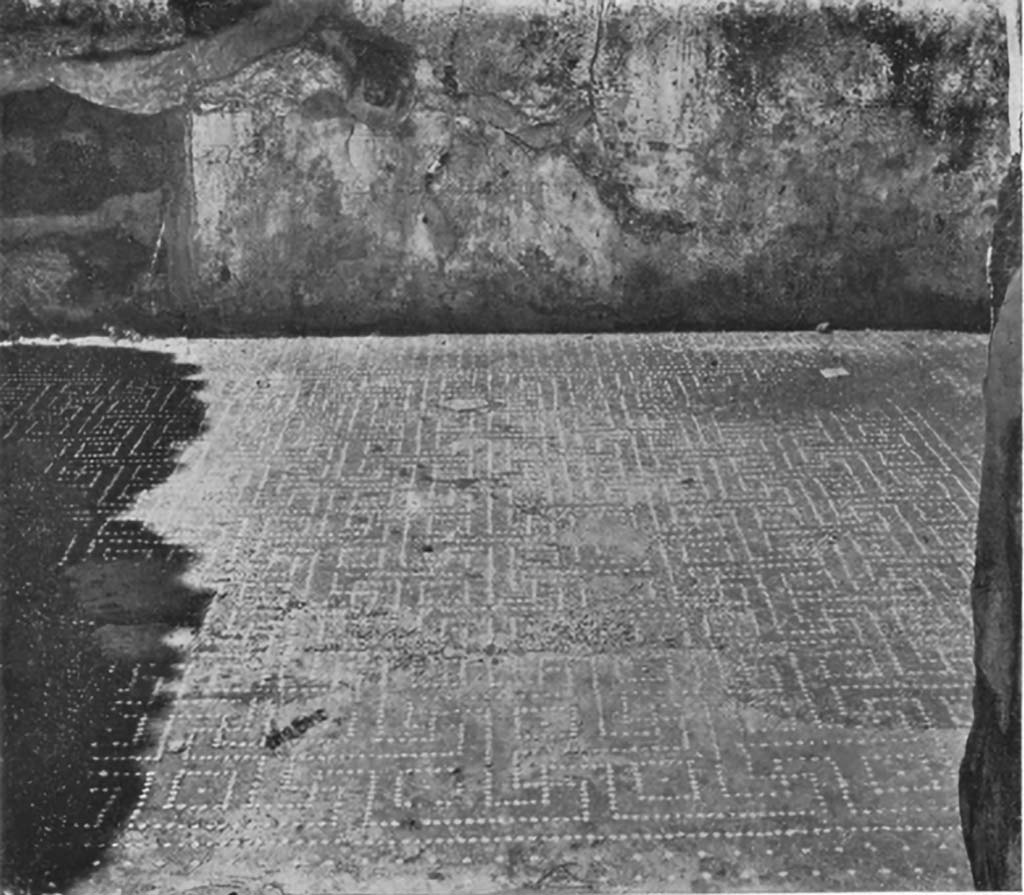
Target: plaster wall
577, 163
582, 164
84, 194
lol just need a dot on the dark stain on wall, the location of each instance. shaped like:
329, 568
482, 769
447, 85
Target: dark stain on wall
382, 66
84, 200
324, 104
920, 51
754, 42
910, 51
648, 225
63, 154
206, 16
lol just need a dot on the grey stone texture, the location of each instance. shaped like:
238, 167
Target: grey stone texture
663, 612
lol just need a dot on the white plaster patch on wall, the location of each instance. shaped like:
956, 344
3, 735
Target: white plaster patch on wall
657, 105
362, 153
419, 244
556, 214
278, 220
217, 172
1012, 17
575, 221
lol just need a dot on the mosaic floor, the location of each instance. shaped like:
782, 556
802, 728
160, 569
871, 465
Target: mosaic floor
671, 612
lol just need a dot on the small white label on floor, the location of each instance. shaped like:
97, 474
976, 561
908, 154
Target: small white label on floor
834, 372
465, 405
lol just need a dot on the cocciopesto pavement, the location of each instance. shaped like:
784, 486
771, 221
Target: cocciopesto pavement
667, 612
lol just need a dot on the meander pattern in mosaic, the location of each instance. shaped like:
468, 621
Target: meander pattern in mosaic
611, 588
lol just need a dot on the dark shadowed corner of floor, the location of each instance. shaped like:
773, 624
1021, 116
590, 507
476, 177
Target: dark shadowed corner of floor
95, 612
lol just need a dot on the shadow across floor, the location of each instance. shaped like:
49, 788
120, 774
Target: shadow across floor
95, 609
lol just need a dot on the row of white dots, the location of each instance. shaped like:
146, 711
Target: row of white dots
485, 839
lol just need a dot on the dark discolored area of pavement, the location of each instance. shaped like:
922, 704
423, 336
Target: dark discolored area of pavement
88, 600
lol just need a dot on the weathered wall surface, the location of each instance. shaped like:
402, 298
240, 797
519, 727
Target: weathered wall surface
83, 194
593, 164
597, 166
